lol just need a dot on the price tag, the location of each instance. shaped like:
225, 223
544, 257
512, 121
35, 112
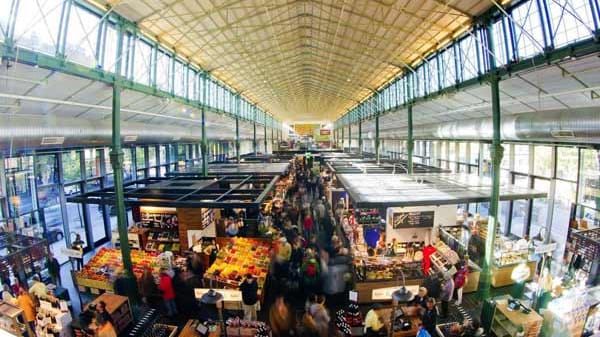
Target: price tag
353, 295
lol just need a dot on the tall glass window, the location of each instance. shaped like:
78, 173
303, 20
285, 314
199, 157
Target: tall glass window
543, 161
142, 62
82, 36
163, 71
522, 159
448, 67
152, 155
434, 83
529, 36
500, 45
179, 81
572, 20
71, 162
37, 25
110, 50
590, 178
469, 60
520, 209
92, 163
4, 15
20, 182
566, 159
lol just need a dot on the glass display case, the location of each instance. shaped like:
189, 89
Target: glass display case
508, 252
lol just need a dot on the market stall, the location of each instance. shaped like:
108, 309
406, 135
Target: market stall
22, 256
412, 211
238, 257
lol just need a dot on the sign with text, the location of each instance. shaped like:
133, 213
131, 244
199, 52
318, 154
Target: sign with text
413, 219
74, 253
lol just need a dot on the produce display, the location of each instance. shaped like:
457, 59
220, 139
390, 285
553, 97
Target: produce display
240, 257
99, 271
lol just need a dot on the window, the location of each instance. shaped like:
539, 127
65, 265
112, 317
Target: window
421, 81
152, 155
46, 170
520, 209
505, 164
474, 155
543, 161
590, 178
37, 25
503, 215
434, 83
179, 84
142, 62
75, 223
539, 211
462, 152
528, 30
5, 11
163, 71
20, 185
564, 198
127, 165
163, 154
522, 159
71, 162
571, 20
92, 163
82, 36
191, 84
110, 51
107, 165
500, 46
127, 68
469, 62
566, 163
140, 158
448, 67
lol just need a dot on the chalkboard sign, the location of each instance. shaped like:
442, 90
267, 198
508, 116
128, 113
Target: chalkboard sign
413, 219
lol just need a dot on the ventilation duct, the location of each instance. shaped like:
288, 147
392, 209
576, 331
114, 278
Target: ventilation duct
575, 125
20, 133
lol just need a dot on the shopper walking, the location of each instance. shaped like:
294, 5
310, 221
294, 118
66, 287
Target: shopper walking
446, 295
249, 289
281, 319
25, 302
375, 322
460, 279
320, 316
147, 287
429, 316
7, 295
54, 269
168, 293
310, 272
105, 328
308, 226
78, 244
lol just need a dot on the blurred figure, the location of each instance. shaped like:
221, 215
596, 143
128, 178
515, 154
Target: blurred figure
54, 269
420, 299
447, 292
25, 302
105, 328
78, 244
249, 289
460, 279
38, 288
281, 319
7, 295
374, 322
310, 272
320, 316
146, 286
168, 293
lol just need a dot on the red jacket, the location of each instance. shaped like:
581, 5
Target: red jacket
308, 223
166, 286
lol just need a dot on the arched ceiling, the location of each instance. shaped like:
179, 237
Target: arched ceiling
303, 60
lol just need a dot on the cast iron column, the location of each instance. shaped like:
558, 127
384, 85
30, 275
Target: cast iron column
265, 141
377, 138
254, 143
411, 141
349, 137
116, 160
360, 141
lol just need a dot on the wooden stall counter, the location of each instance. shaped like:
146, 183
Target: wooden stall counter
396, 332
118, 308
507, 322
189, 330
368, 291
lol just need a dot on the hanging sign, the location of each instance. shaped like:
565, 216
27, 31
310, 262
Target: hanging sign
413, 219
74, 253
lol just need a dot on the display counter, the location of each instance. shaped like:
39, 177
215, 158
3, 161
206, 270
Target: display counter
396, 318
98, 274
502, 274
238, 257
